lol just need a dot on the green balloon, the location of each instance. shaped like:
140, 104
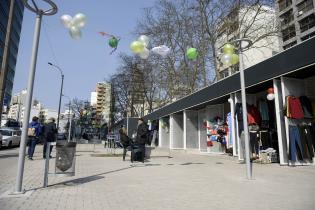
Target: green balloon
113, 42
192, 53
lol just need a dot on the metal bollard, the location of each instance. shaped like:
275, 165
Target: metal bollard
47, 164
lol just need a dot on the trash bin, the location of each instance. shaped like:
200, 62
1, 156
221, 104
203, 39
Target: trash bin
65, 158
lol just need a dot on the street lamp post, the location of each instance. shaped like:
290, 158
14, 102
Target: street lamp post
60, 95
229, 60
39, 13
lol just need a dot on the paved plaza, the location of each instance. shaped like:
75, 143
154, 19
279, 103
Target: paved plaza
178, 181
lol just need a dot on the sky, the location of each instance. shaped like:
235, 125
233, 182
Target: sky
84, 62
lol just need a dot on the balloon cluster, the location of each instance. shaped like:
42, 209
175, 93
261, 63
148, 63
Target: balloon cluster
140, 47
229, 57
271, 94
74, 24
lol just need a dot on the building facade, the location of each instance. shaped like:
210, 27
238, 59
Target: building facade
11, 17
297, 20
104, 102
93, 98
17, 105
253, 22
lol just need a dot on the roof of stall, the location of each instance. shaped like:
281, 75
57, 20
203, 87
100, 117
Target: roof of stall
294, 59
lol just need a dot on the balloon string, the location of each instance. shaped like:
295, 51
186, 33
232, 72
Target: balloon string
45, 26
108, 35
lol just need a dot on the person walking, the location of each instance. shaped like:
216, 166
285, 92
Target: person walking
50, 132
142, 136
34, 131
125, 140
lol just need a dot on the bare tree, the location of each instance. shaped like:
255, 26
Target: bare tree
173, 23
181, 24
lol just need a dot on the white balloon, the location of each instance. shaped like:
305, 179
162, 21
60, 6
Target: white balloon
161, 50
79, 20
145, 53
75, 32
144, 39
270, 96
226, 59
66, 20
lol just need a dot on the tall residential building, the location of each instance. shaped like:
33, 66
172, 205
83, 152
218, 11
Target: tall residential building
297, 20
240, 20
93, 98
104, 102
17, 108
11, 16
17, 105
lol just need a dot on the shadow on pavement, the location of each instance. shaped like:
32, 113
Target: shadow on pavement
79, 181
9, 155
190, 163
83, 180
165, 156
144, 165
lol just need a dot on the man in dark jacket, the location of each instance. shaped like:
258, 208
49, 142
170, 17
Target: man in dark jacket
142, 136
50, 131
124, 140
34, 131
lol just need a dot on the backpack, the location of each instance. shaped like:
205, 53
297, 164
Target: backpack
31, 132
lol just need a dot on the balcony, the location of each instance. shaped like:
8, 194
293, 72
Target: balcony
283, 4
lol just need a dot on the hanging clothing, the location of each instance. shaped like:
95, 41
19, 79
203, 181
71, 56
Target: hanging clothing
265, 139
263, 109
239, 111
295, 144
254, 142
294, 108
253, 115
306, 140
229, 121
307, 107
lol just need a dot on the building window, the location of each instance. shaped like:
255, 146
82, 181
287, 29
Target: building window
305, 6
289, 45
288, 33
286, 17
284, 4
307, 23
308, 36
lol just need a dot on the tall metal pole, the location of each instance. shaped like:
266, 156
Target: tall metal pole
242, 48
39, 13
245, 122
69, 121
62, 77
19, 178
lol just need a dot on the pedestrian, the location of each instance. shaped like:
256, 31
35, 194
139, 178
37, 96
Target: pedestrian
125, 140
142, 137
50, 132
34, 132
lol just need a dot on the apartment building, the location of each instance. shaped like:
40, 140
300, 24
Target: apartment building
297, 20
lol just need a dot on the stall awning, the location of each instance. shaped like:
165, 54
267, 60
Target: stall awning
297, 58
